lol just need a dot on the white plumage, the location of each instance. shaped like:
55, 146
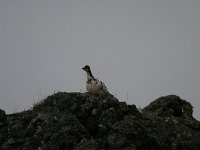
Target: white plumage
93, 85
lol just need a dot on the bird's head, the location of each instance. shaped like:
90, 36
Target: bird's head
86, 68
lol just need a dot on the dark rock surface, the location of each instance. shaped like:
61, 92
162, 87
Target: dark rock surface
80, 121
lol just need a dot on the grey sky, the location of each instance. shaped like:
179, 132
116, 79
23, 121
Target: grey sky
146, 48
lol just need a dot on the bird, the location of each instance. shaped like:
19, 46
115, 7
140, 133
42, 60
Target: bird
93, 85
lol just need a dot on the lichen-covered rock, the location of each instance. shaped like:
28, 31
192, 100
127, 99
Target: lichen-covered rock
66, 121
3, 126
170, 105
182, 130
2, 115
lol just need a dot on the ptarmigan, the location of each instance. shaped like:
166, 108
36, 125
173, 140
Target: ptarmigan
93, 85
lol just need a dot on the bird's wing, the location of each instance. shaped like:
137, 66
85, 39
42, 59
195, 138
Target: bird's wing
103, 87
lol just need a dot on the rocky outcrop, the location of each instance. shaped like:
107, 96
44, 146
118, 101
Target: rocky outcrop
65, 121
181, 130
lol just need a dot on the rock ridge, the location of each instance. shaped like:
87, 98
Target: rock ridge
83, 121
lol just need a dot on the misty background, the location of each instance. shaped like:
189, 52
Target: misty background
141, 49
